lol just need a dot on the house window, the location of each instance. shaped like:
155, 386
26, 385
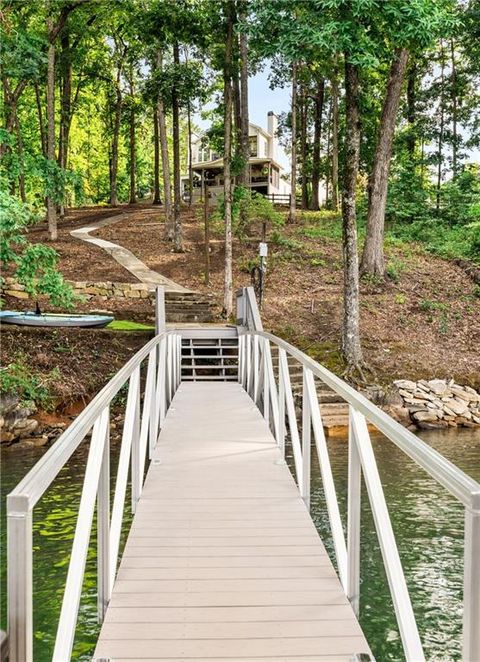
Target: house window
203, 154
253, 146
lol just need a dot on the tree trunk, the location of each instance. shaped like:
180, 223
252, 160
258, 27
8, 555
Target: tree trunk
156, 159
190, 154
65, 105
454, 110
441, 129
41, 125
373, 261
51, 206
328, 170
351, 346
21, 176
411, 109
227, 185
293, 175
206, 225
303, 143
335, 125
177, 221
244, 140
167, 187
317, 136
132, 143
115, 140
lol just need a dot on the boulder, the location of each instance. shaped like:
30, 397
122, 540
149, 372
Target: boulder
456, 406
437, 386
405, 384
426, 416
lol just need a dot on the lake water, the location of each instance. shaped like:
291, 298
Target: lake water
427, 522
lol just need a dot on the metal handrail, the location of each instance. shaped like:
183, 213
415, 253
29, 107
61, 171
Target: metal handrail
140, 433
277, 402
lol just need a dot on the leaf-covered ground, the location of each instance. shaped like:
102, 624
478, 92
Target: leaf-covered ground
424, 322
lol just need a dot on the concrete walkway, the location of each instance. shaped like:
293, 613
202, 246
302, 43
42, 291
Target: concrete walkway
125, 257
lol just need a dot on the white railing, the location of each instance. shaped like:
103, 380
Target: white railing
256, 374
140, 432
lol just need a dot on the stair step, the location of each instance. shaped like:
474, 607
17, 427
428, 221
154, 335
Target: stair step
211, 378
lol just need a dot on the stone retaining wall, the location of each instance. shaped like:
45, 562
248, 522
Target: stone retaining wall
438, 403
89, 289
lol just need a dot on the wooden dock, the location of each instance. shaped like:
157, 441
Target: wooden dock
223, 561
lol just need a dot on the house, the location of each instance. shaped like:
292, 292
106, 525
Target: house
264, 169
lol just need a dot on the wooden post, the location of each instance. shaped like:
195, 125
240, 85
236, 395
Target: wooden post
160, 321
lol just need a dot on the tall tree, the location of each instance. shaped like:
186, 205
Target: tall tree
227, 159
177, 221
51, 203
292, 216
335, 130
319, 97
351, 346
373, 261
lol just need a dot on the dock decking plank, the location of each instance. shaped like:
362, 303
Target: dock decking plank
223, 561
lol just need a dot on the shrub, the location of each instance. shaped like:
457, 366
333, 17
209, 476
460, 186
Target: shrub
33, 265
18, 379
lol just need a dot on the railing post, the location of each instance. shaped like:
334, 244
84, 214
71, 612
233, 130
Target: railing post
327, 477
292, 418
130, 432
160, 320
78, 557
471, 587
353, 519
179, 360
272, 389
407, 625
241, 358
134, 425
306, 441
103, 528
146, 424
256, 376
266, 384
161, 394
282, 357
19, 568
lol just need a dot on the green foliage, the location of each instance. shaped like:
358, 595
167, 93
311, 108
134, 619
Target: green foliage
33, 265
18, 379
249, 208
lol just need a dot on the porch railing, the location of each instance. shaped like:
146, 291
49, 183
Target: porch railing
140, 432
276, 400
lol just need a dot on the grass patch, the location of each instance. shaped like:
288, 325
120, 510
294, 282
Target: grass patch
126, 325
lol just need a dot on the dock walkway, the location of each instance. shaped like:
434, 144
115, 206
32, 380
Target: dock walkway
223, 561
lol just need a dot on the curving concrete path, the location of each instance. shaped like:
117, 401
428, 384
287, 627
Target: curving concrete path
124, 257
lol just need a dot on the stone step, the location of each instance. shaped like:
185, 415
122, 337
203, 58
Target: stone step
179, 317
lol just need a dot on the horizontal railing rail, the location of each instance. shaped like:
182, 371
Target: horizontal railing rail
276, 400
140, 432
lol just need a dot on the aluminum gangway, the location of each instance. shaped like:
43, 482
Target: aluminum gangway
222, 561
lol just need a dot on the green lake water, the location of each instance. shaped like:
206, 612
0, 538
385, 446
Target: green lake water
427, 522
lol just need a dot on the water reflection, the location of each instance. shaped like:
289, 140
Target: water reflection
427, 522
428, 526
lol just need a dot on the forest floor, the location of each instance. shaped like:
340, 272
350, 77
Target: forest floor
423, 322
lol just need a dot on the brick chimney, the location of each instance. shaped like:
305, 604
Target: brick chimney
272, 126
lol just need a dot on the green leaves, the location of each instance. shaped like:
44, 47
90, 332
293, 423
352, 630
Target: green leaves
33, 265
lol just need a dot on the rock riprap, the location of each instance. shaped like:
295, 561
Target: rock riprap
437, 403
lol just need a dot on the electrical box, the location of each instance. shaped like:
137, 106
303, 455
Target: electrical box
263, 249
